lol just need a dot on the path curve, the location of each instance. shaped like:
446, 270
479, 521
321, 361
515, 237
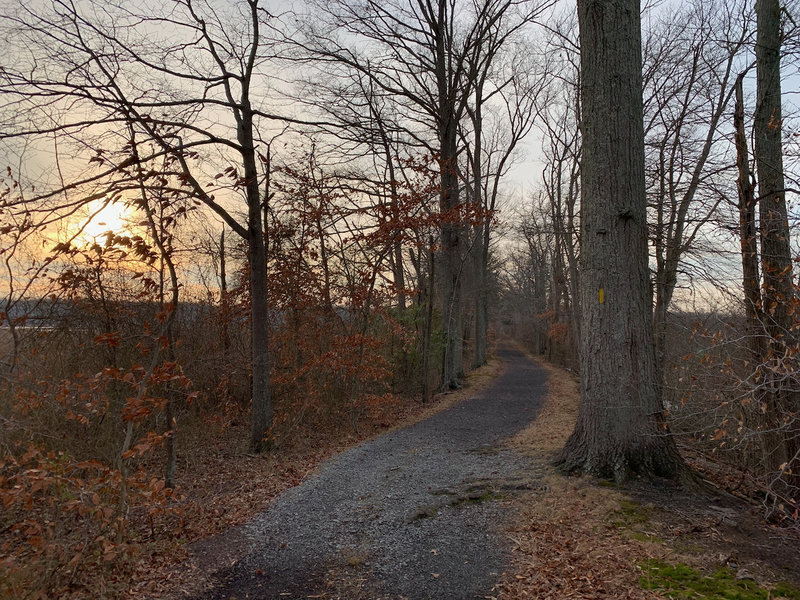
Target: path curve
416, 513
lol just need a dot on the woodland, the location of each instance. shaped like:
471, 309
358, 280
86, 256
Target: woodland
251, 230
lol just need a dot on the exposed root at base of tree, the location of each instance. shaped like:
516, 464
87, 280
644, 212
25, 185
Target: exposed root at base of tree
653, 457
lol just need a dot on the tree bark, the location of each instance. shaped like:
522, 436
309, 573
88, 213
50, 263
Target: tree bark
481, 294
261, 419
427, 332
452, 363
223, 299
781, 443
621, 430
775, 252
747, 232
480, 249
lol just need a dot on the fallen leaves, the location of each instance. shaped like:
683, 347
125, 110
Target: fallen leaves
566, 549
564, 544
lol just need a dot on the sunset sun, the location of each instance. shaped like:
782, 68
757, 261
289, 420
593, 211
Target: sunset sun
114, 217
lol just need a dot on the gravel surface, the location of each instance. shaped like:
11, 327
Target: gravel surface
416, 513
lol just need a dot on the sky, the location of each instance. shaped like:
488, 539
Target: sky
522, 181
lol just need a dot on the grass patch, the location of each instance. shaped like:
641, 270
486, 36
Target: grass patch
630, 514
682, 582
354, 557
640, 536
426, 512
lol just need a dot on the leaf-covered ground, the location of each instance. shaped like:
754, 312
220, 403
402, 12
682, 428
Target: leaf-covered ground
587, 539
573, 538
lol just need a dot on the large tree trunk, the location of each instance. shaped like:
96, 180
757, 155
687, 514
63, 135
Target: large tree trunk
621, 428
780, 447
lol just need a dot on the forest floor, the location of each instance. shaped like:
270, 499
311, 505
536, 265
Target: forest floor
525, 530
585, 538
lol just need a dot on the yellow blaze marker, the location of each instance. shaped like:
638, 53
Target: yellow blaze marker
601, 295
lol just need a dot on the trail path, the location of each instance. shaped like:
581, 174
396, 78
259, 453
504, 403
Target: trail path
416, 513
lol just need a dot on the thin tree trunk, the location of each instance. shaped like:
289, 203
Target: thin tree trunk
261, 420
427, 332
223, 299
780, 446
481, 292
574, 324
747, 232
398, 271
479, 249
748, 236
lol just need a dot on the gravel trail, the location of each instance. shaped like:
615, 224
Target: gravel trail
415, 513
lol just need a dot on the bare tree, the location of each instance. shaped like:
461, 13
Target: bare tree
506, 87
529, 283
424, 55
748, 235
86, 72
560, 119
688, 77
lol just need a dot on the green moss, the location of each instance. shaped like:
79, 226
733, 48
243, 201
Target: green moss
685, 583
785, 590
630, 513
640, 536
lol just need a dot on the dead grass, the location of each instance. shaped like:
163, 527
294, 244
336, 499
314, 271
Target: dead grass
565, 542
548, 433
